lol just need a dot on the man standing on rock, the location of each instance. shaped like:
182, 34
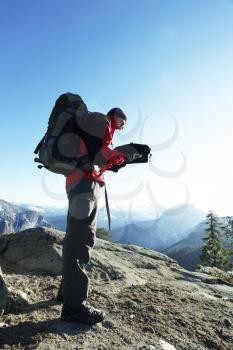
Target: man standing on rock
83, 192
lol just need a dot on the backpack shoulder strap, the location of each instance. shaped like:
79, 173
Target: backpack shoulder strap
39, 145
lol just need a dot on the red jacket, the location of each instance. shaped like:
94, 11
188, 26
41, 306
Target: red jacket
112, 157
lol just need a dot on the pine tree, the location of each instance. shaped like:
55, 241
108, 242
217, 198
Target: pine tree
213, 252
229, 231
229, 235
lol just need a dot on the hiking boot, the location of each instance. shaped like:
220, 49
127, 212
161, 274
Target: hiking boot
83, 314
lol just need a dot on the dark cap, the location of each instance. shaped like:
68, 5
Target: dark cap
117, 112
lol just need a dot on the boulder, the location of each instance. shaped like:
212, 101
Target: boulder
36, 249
222, 276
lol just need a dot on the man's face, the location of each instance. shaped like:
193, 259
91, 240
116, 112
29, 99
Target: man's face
120, 122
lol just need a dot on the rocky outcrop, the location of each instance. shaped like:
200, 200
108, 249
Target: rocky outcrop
150, 301
224, 277
37, 249
11, 299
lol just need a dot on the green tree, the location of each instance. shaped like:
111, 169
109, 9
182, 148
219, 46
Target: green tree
103, 234
213, 253
229, 235
229, 232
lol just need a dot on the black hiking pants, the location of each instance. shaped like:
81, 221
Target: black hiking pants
79, 239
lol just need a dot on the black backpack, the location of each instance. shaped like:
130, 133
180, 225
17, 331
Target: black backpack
70, 123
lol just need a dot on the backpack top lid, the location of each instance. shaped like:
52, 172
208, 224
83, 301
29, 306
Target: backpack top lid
69, 99
64, 101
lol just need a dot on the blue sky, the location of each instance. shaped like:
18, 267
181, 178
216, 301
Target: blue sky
165, 62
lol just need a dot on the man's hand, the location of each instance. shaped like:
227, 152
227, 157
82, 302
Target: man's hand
115, 168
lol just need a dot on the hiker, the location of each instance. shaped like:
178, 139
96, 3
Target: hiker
78, 145
83, 192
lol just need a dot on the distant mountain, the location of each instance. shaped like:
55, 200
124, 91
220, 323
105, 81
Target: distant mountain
14, 218
187, 251
46, 211
118, 218
58, 222
139, 227
173, 225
